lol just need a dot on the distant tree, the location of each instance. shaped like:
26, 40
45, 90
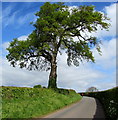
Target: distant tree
55, 30
92, 89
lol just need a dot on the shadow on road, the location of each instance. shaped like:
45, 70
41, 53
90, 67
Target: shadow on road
99, 114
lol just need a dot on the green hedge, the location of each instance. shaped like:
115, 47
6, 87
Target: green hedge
65, 91
109, 100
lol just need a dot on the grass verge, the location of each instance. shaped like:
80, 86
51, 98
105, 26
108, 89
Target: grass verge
20, 102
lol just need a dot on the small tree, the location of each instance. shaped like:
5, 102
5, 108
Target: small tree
55, 30
92, 89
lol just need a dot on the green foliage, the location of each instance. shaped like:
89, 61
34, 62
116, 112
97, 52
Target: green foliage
55, 30
62, 91
65, 91
37, 86
71, 91
109, 100
22, 103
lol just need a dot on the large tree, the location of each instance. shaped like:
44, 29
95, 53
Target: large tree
56, 27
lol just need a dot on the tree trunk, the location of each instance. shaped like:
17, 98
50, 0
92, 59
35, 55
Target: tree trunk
53, 74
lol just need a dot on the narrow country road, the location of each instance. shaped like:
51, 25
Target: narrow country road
88, 107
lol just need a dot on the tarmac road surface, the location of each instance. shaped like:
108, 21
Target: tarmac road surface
88, 107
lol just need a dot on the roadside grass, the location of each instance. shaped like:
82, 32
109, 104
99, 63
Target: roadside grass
18, 102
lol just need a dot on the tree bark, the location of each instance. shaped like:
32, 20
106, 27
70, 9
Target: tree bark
53, 74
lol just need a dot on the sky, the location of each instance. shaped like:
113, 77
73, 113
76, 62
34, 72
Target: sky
16, 18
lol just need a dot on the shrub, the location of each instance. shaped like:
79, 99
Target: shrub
37, 86
62, 91
71, 91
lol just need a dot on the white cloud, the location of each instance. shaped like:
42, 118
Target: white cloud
70, 8
23, 19
20, 77
24, 37
3, 48
111, 13
77, 77
108, 58
5, 45
10, 17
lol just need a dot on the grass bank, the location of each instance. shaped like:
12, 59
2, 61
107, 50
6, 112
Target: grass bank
18, 102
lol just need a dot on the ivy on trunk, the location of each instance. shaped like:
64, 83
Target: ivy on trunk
53, 74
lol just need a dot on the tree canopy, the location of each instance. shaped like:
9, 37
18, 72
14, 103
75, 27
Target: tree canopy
55, 30
92, 89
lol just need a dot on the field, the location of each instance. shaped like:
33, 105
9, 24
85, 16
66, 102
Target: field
19, 102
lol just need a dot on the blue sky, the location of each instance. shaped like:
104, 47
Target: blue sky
20, 10
16, 18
